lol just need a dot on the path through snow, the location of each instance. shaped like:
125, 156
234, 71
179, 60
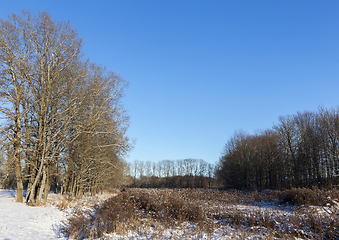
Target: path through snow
19, 221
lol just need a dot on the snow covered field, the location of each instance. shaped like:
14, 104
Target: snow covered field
257, 220
19, 221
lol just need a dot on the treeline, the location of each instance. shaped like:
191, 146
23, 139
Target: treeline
302, 150
186, 173
62, 123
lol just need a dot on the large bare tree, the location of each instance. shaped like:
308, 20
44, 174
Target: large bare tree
62, 114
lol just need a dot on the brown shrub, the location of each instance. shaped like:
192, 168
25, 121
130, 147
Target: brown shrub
136, 209
126, 209
304, 196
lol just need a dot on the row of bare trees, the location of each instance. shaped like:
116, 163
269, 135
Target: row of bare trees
62, 121
190, 173
302, 150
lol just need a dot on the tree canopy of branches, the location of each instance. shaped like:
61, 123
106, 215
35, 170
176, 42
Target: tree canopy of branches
183, 173
62, 120
301, 151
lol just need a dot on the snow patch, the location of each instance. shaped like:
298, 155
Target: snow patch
19, 221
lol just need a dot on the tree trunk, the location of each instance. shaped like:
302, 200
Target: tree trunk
42, 186
19, 186
18, 173
35, 183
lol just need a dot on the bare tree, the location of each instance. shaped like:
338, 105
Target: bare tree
210, 173
301, 151
59, 109
14, 68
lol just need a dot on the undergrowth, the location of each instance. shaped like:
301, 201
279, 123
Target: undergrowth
125, 211
285, 214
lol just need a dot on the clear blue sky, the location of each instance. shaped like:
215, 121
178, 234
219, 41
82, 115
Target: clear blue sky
200, 70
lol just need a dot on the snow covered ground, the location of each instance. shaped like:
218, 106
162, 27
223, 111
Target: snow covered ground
19, 221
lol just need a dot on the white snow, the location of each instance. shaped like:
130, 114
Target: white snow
19, 221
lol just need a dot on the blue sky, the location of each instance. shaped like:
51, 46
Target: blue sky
200, 70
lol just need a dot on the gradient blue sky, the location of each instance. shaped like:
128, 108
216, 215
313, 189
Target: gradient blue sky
200, 70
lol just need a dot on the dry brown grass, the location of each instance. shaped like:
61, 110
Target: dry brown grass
307, 197
133, 209
266, 215
65, 202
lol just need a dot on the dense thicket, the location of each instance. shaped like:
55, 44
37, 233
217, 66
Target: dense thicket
186, 173
302, 150
62, 120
